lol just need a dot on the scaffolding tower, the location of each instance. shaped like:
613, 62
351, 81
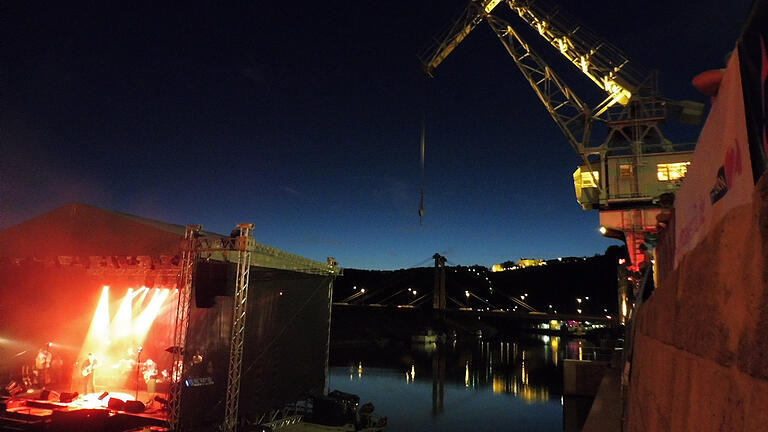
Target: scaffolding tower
244, 244
189, 255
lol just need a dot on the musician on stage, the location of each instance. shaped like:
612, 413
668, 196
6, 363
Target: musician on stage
43, 365
149, 370
89, 365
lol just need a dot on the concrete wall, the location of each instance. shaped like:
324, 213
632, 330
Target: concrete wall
700, 358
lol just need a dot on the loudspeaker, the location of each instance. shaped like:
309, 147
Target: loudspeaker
213, 279
116, 404
49, 395
13, 388
67, 397
134, 406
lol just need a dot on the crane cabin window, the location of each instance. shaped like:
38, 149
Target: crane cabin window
671, 171
626, 170
588, 180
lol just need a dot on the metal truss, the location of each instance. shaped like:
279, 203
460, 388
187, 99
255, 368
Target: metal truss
220, 248
189, 257
244, 245
264, 256
571, 115
461, 27
595, 57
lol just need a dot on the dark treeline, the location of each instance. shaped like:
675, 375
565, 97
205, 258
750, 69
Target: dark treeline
558, 284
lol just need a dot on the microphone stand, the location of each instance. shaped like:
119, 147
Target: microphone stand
138, 361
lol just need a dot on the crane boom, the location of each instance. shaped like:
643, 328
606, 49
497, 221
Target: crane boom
600, 61
572, 116
461, 27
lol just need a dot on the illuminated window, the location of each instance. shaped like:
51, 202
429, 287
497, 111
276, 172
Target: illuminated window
626, 171
671, 171
588, 180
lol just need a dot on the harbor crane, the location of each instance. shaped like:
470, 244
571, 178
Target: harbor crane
626, 162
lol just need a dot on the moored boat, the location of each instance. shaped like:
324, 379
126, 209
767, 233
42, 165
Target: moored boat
336, 412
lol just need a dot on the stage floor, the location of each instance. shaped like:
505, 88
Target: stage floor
33, 411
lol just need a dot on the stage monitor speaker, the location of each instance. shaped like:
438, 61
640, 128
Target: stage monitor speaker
134, 406
49, 395
68, 397
116, 404
13, 388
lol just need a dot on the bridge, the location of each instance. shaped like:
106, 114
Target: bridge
465, 312
479, 300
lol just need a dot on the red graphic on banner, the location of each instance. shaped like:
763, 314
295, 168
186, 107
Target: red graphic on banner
732, 162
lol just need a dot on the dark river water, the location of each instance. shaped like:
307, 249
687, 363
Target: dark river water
512, 384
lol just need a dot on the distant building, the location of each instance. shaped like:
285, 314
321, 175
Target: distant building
530, 262
522, 263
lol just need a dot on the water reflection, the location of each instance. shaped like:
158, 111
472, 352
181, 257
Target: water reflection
438, 381
504, 375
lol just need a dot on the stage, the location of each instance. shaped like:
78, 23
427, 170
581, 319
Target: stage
93, 306
41, 410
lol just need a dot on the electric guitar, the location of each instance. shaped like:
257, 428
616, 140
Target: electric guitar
87, 370
149, 374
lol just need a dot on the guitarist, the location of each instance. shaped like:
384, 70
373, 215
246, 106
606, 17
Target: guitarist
89, 365
149, 370
43, 365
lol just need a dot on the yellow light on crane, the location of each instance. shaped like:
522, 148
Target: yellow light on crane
490, 5
618, 93
589, 179
584, 64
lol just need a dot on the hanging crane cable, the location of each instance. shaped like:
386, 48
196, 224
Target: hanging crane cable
423, 144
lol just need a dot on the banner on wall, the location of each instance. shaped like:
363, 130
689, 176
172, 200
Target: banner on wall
720, 177
752, 48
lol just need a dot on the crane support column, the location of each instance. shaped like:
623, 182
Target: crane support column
244, 246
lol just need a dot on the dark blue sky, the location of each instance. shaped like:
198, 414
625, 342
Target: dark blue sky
304, 117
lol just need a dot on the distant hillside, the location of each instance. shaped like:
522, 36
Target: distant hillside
559, 284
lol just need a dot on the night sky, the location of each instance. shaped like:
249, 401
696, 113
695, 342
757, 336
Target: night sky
304, 118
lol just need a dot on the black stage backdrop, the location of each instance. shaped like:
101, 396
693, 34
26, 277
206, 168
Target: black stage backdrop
286, 342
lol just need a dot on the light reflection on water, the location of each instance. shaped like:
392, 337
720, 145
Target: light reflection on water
511, 385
